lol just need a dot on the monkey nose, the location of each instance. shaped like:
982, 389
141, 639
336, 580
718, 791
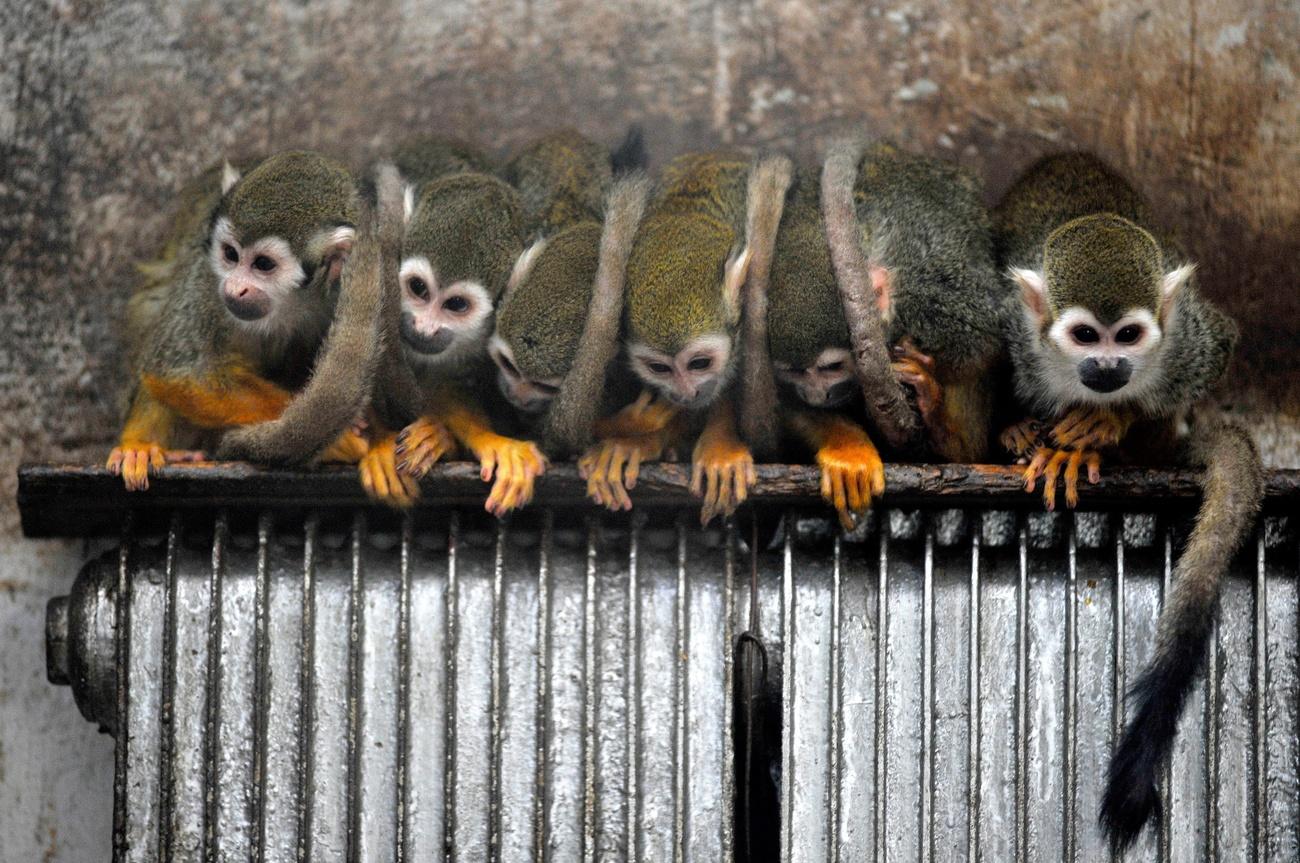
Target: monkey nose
248, 305
839, 393
1104, 379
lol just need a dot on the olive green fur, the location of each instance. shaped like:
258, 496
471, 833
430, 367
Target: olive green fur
544, 315
562, 179
925, 221
470, 228
422, 160
804, 313
292, 195
1104, 263
694, 223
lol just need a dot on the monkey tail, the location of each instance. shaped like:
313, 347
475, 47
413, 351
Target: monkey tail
1233, 486
884, 396
572, 416
345, 369
397, 396
631, 154
769, 180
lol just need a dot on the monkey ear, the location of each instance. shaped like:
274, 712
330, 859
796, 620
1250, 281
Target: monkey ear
1033, 290
408, 202
229, 177
336, 248
733, 280
523, 264
1171, 285
882, 281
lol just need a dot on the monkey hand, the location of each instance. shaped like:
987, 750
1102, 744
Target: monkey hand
1022, 438
516, 465
644, 416
1090, 428
381, 478
612, 466
420, 445
852, 473
133, 461
1049, 462
350, 448
916, 369
722, 472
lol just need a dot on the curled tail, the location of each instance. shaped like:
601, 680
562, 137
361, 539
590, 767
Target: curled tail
1233, 486
346, 365
769, 180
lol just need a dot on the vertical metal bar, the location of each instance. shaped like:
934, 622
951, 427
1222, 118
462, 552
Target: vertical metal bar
1119, 668
1260, 748
973, 720
307, 682
355, 623
882, 669
632, 692
680, 765
1071, 771
452, 628
1022, 705
212, 704
261, 680
589, 699
1212, 749
1163, 837
927, 701
403, 694
123, 691
836, 760
497, 626
727, 838
543, 680
167, 739
787, 693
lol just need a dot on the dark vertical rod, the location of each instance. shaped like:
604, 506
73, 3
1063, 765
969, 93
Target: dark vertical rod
212, 693
356, 623
1212, 749
1260, 742
680, 755
836, 730
307, 684
403, 795
927, 701
788, 695
590, 680
122, 649
631, 692
1071, 765
497, 626
1120, 663
728, 778
261, 683
1022, 700
882, 670
167, 738
452, 628
973, 697
540, 825
1163, 837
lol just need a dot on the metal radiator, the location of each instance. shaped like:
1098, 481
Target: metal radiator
291, 676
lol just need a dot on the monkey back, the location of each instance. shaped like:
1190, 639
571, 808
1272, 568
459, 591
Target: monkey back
562, 179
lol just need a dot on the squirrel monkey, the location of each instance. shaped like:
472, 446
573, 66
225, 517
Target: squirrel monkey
713, 216
924, 232
1112, 344
462, 235
229, 341
808, 340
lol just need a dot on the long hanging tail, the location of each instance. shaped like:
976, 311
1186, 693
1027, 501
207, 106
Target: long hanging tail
1233, 486
769, 180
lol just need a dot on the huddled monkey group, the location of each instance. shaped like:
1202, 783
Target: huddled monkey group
567, 304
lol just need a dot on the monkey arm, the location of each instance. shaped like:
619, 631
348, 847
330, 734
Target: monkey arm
852, 471
150, 428
639, 432
235, 396
722, 468
516, 464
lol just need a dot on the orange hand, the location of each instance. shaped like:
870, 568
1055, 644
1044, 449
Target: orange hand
235, 398
350, 448
646, 415
421, 444
852, 471
381, 479
141, 449
516, 464
1049, 461
611, 467
1091, 428
1022, 438
723, 467
916, 369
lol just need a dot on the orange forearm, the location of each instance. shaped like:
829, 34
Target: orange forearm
148, 423
238, 398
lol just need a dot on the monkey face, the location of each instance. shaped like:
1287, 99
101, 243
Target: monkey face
441, 321
1105, 362
693, 377
525, 394
829, 382
256, 279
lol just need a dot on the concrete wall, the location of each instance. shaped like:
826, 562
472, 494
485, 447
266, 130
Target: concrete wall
107, 107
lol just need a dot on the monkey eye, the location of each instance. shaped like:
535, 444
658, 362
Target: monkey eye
263, 264
230, 253
658, 367
1128, 335
1085, 335
831, 367
456, 305
699, 364
418, 287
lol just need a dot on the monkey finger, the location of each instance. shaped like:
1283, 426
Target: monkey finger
1035, 467
487, 465
1050, 473
853, 489
633, 470
742, 487
697, 478
827, 494
184, 456
840, 500
1072, 478
1093, 460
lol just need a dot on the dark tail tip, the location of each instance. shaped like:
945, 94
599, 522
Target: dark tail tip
631, 154
1131, 799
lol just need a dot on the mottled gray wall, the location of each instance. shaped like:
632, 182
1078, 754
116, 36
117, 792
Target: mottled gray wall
106, 108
